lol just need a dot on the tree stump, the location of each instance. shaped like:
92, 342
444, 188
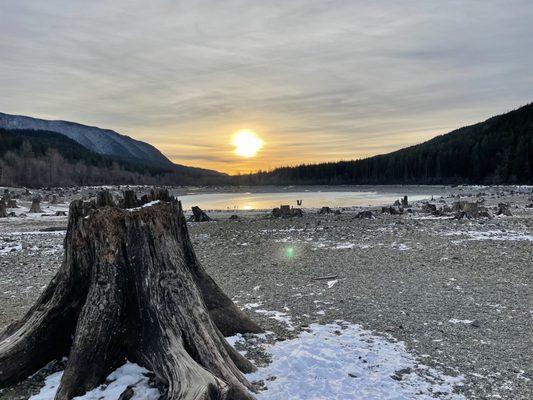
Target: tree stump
36, 205
504, 209
105, 198
3, 212
130, 199
130, 287
429, 208
367, 214
468, 210
198, 215
285, 211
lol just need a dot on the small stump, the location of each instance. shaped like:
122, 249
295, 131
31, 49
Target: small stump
36, 206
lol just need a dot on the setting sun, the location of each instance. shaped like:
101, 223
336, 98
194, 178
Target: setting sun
246, 143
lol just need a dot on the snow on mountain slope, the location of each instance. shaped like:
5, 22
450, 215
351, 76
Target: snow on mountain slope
102, 141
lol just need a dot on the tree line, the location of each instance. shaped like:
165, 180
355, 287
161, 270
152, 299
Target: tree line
39, 159
499, 150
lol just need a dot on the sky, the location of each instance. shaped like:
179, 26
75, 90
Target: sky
316, 80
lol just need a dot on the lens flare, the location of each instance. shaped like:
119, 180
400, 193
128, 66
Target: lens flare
289, 252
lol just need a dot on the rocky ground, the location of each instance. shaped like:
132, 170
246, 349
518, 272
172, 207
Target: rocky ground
457, 292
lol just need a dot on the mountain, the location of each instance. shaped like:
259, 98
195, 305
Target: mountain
102, 141
36, 158
498, 150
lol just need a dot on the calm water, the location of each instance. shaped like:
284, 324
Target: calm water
310, 198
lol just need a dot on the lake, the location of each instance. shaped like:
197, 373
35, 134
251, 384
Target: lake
268, 198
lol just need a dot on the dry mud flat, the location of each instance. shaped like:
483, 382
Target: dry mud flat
458, 293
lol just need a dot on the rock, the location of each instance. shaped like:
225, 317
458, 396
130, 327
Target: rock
367, 214
297, 212
398, 375
325, 210
127, 394
429, 208
391, 210
503, 209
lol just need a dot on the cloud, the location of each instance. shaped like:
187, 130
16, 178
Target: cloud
333, 79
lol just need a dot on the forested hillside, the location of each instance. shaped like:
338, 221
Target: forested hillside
499, 150
40, 158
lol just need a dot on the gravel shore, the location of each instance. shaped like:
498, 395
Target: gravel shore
457, 292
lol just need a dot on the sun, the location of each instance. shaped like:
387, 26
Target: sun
246, 143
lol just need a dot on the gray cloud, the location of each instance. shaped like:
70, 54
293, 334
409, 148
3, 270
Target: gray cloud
335, 79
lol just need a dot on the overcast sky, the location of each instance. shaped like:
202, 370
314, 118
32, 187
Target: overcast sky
317, 80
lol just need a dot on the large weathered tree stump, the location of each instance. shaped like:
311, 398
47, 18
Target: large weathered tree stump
130, 287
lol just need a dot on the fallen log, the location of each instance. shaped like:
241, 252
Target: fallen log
322, 278
130, 287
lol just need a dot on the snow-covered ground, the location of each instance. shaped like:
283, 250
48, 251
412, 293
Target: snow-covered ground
344, 361
495, 234
128, 375
335, 361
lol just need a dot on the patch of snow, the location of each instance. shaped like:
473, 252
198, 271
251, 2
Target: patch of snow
460, 321
248, 306
400, 246
492, 235
120, 379
344, 246
149, 204
332, 283
342, 361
